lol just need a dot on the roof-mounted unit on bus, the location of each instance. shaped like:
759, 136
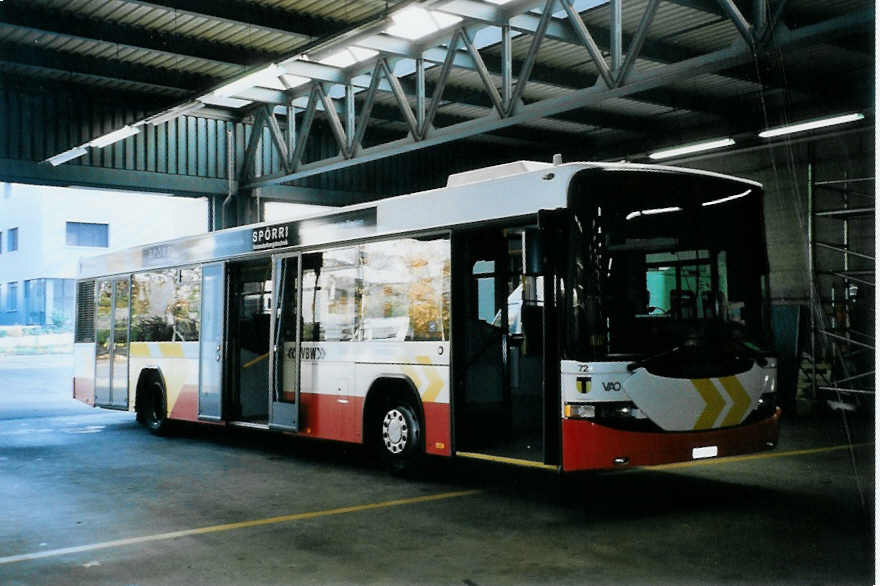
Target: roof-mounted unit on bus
495, 172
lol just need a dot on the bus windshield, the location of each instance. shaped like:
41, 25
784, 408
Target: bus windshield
662, 260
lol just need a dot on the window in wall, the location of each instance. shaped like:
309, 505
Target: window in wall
87, 234
166, 305
12, 239
12, 296
35, 302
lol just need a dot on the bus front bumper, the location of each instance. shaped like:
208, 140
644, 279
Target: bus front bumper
589, 446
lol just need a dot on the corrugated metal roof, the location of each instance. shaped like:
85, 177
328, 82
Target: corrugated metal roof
206, 43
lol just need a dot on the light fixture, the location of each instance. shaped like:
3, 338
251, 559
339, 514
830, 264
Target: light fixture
173, 113
62, 158
692, 148
114, 136
414, 22
652, 212
811, 125
728, 198
268, 73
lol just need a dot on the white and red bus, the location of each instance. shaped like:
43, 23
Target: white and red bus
566, 316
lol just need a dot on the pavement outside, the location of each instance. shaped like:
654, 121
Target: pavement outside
74, 476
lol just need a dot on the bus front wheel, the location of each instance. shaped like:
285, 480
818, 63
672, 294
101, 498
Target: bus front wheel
153, 414
400, 436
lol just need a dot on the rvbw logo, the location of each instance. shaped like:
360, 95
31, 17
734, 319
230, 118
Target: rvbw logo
611, 386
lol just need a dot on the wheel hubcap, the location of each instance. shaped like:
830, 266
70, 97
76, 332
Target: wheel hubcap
394, 431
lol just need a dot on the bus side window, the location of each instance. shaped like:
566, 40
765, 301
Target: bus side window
484, 282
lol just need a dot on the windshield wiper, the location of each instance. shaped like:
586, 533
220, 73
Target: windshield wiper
644, 361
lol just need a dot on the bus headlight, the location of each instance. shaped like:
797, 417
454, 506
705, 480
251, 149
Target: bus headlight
603, 411
579, 411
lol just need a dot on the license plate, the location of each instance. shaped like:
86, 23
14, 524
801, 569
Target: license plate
705, 452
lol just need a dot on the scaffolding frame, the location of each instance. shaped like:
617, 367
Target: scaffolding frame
831, 332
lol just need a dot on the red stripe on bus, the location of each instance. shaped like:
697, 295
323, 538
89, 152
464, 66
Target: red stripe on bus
586, 445
84, 390
336, 417
340, 417
437, 429
186, 407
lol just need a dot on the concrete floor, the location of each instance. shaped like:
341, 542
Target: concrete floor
75, 477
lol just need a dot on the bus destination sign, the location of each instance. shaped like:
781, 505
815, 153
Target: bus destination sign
271, 236
315, 230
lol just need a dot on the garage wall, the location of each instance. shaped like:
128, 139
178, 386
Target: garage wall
784, 172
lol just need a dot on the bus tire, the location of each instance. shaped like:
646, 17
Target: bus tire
154, 414
399, 436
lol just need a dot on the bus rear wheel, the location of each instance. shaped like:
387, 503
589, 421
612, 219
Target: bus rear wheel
153, 413
400, 436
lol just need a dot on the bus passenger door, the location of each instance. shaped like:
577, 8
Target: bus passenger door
119, 348
111, 352
284, 369
103, 341
211, 341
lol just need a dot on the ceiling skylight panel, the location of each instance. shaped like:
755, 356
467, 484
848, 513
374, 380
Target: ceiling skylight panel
414, 22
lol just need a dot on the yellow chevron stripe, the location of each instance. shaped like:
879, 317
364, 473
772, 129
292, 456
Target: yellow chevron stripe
435, 383
741, 400
413, 376
171, 349
139, 350
714, 402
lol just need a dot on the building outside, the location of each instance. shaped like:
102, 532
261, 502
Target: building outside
44, 231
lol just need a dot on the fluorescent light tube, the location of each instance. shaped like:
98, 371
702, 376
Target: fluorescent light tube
810, 125
114, 136
173, 113
726, 199
692, 148
62, 158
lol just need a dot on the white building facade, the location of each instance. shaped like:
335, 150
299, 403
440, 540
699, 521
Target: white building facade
44, 231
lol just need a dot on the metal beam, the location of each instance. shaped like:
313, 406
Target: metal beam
18, 171
304, 129
277, 137
526, 70
402, 101
845, 339
588, 42
639, 81
333, 118
744, 27
488, 84
250, 153
635, 46
616, 36
842, 250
